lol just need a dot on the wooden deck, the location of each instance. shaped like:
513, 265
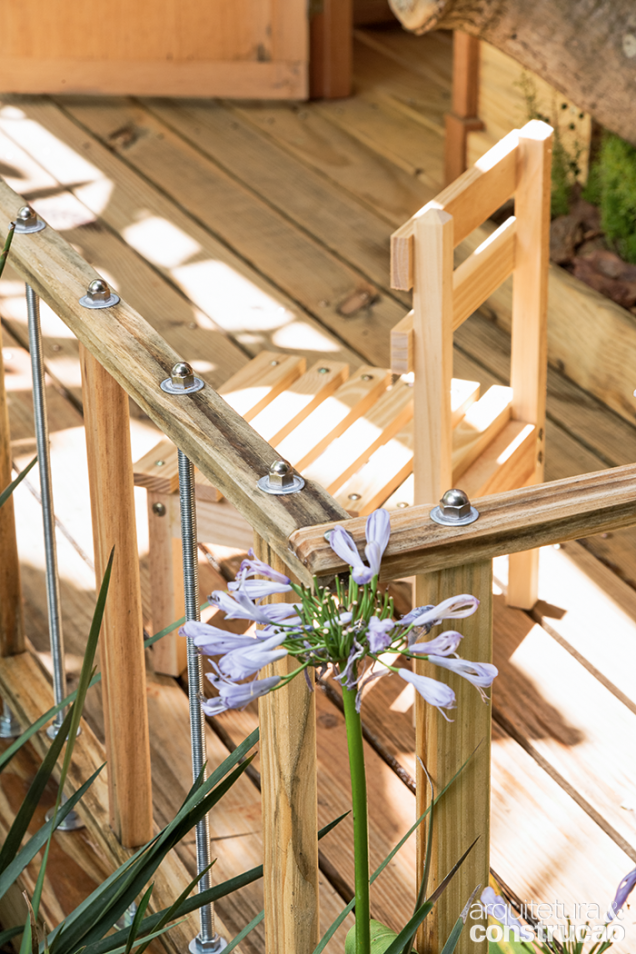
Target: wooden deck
235, 227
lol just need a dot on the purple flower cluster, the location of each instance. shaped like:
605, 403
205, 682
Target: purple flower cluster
350, 631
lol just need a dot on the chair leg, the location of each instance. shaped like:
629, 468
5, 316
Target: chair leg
166, 582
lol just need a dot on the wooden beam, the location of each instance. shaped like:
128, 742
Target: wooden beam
529, 356
463, 118
331, 49
508, 523
483, 272
464, 812
110, 475
11, 620
290, 807
217, 439
469, 199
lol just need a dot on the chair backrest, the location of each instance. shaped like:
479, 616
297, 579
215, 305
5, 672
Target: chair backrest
443, 297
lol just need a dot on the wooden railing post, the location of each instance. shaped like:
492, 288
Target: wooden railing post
110, 472
529, 358
290, 807
463, 117
464, 812
11, 620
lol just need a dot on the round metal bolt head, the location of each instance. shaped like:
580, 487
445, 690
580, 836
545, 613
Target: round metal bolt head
455, 504
98, 290
367, 377
323, 370
354, 496
159, 509
182, 375
280, 474
26, 216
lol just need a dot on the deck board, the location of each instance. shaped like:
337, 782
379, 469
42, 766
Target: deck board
261, 220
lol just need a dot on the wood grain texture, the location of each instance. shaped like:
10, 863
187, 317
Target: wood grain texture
218, 441
11, 619
469, 199
529, 357
242, 49
289, 796
121, 648
509, 522
169, 655
464, 812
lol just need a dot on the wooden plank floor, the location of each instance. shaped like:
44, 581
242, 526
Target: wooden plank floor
235, 227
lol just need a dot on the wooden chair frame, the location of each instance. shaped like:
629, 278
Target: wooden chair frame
123, 354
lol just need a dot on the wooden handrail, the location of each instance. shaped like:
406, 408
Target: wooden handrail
217, 439
508, 523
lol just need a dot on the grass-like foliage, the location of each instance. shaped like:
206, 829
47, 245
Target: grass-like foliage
612, 186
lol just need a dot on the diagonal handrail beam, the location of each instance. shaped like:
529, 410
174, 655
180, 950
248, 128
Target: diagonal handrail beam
509, 522
212, 435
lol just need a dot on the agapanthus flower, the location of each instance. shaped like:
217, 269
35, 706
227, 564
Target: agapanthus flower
378, 631
623, 891
480, 674
443, 645
456, 607
436, 693
495, 906
258, 589
240, 606
233, 696
213, 641
255, 567
377, 531
244, 661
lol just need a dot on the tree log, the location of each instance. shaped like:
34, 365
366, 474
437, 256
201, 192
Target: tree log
584, 48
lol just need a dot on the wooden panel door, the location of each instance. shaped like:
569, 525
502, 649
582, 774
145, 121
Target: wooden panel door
229, 48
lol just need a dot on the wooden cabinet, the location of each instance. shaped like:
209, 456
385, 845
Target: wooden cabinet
227, 48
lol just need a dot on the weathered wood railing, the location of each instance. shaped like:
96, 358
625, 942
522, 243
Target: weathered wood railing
122, 354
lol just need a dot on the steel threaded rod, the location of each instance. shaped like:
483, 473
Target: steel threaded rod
48, 517
207, 941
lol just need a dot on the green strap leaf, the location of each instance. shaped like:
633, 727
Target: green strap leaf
6, 493
7, 246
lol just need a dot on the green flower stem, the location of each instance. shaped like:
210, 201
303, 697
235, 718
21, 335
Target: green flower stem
360, 821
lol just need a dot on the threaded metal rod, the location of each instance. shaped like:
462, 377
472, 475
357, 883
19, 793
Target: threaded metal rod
208, 940
48, 516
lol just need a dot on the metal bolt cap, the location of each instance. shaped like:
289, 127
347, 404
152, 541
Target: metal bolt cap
455, 503
281, 479
99, 295
182, 380
27, 220
454, 509
182, 375
98, 290
280, 474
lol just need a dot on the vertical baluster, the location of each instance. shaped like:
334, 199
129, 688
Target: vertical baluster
207, 940
182, 381
11, 620
72, 820
110, 471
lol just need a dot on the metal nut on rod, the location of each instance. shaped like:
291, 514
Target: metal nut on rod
455, 510
27, 220
281, 479
98, 295
182, 380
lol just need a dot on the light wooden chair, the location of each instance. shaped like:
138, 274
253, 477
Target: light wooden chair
510, 451
373, 439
